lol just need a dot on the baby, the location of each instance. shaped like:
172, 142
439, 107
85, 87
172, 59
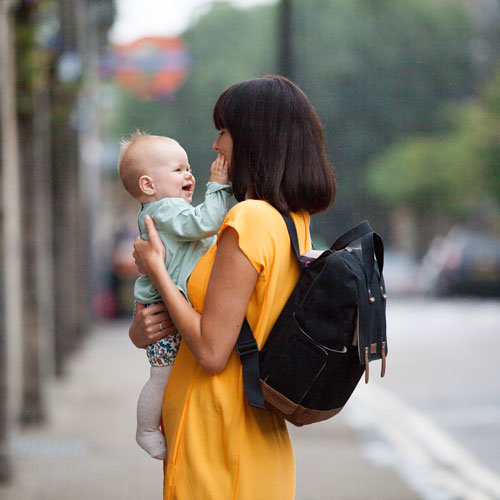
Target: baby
156, 172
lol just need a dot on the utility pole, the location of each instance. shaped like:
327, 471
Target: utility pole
33, 182
12, 319
285, 30
93, 38
66, 196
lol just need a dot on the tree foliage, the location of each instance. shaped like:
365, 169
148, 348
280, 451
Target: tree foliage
449, 174
487, 136
376, 71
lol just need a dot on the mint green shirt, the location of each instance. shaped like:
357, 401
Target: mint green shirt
187, 233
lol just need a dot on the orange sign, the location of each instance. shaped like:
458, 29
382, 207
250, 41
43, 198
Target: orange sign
151, 67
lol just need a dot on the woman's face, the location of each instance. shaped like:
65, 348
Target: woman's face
224, 145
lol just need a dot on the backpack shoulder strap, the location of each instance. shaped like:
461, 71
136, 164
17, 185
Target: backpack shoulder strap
246, 345
248, 351
292, 232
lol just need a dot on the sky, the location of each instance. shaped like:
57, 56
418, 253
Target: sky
138, 18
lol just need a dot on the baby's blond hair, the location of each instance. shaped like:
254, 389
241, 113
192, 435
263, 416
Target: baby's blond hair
130, 168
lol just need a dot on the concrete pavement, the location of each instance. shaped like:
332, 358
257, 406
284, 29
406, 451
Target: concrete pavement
87, 449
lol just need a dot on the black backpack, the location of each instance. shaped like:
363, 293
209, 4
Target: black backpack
331, 327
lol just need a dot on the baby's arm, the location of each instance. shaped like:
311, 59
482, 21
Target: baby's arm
219, 170
190, 223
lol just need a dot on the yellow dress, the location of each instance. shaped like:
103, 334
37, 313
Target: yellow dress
220, 448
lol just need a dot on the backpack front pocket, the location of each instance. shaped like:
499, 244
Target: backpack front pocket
298, 365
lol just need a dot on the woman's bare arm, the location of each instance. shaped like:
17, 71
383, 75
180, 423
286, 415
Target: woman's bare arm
211, 336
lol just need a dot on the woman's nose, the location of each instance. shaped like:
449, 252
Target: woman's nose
215, 145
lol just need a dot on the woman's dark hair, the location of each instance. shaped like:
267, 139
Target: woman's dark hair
278, 146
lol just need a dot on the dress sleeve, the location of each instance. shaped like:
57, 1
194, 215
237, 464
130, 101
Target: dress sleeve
188, 223
255, 222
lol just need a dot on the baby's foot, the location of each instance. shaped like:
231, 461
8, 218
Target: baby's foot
153, 442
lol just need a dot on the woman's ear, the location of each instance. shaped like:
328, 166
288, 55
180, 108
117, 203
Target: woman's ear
146, 185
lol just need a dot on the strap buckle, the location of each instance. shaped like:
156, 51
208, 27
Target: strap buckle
247, 347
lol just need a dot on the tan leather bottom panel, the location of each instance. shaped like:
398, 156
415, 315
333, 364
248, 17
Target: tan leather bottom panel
294, 413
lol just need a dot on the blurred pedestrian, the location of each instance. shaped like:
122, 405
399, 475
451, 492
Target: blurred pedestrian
219, 446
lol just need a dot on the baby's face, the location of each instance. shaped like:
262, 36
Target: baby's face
170, 171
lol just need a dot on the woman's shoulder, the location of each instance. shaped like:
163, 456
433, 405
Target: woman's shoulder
255, 211
258, 225
260, 228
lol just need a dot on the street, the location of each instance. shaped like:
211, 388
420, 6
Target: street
442, 376
430, 429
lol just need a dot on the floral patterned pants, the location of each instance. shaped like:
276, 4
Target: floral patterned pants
164, 351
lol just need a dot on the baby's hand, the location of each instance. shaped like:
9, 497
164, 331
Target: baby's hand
219, 170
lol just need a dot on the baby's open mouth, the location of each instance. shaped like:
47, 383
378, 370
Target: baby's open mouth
187, 187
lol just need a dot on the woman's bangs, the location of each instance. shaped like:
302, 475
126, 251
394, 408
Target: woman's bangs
222, 110
219, 121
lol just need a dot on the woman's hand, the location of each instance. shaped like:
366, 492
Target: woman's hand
150, 324
149, 254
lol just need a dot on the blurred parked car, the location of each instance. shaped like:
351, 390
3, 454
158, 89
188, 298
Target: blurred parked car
462, 263
115, 298
400, 273
124, 270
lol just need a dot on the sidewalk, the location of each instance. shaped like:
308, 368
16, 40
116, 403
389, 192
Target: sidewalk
87, 449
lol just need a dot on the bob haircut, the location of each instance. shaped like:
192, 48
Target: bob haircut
279, 152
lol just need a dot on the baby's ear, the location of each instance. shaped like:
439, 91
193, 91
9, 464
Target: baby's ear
146, 185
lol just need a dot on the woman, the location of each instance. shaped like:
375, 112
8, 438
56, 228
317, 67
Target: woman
220, 447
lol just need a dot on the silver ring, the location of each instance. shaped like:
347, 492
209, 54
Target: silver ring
161, 328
